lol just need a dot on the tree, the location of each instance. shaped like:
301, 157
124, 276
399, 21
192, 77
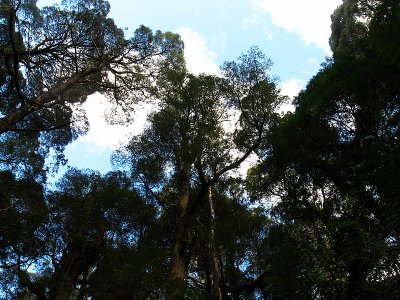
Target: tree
53, 58
23, 213
332, 165
58, 248
186, 150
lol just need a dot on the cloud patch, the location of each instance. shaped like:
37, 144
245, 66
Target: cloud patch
199, 59
104, 136
290, 88
310, 19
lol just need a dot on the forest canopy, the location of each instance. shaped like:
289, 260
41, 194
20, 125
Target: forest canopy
316, 216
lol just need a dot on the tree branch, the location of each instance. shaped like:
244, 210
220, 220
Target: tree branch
48, 129
7, 123
156, 197
251, 285
239, 160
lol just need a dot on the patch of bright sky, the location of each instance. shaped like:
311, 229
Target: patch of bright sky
293, 33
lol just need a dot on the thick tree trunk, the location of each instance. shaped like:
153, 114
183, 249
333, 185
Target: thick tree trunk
78, 257
356, 277
75, 262
175, 289
61, 283
178, 258
178, 264
216, 290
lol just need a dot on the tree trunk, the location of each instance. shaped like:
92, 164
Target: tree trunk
356, 277
178, 258
74, 262
178, 265
216, 290
61, 283
78, 257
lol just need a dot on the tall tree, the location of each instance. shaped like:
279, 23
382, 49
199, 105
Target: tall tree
53, 58
58, 248
23, 213
205, 128
333, 163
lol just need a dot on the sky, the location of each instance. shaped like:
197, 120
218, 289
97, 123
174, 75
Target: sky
292, 33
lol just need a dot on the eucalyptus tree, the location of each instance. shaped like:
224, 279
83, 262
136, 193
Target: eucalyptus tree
23, 213
206, 126
53, 58
332, 163
58, 248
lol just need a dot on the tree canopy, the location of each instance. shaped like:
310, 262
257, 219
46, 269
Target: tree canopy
53, 58
315, 217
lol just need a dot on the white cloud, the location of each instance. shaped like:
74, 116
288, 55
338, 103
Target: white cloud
257, 19
268, 33
42, 3
199, 59
308, 18
106, 137
248, 22
290, 88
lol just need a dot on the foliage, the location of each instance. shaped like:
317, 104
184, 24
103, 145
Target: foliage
315, 218
332, 164
53, 58
188, 150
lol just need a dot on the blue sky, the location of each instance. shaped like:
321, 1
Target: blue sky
293, 33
